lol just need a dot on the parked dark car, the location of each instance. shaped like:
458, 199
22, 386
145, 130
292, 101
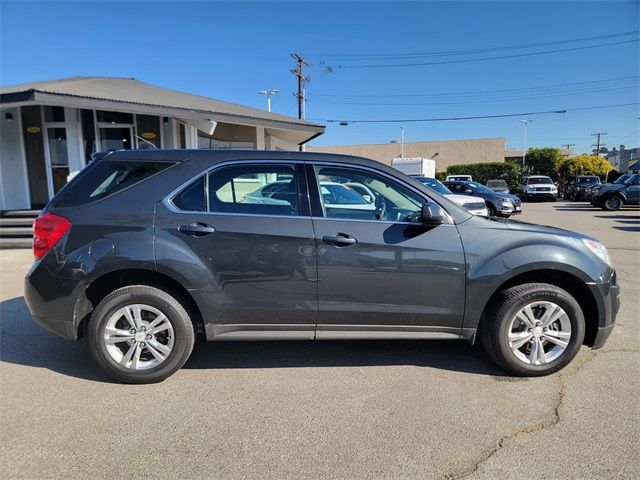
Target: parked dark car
499, 204
499, 186
591, 190
614, 195
144, 250
576, 187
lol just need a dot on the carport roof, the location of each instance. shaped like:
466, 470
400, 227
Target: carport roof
134, 92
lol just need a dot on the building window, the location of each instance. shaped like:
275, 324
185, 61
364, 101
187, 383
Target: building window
148, 128
114, 117
53, 114
88, 134
182, 136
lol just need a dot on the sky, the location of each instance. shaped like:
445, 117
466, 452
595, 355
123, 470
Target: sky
231, 50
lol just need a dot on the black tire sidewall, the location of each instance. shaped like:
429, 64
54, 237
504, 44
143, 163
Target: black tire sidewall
170, 307
576, 317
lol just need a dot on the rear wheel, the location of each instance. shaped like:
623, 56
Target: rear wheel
612, 203
140, 334
534, 329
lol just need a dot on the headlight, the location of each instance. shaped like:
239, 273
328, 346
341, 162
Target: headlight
599, 250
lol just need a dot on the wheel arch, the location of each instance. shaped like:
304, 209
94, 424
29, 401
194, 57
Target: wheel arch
562, 279
111, 281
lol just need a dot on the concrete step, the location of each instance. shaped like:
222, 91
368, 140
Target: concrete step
16, 222
16, 232
13, 243
20, 213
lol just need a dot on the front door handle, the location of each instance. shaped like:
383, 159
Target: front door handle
340, 240
196, 229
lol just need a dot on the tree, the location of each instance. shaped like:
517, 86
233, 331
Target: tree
582, 165
542, 161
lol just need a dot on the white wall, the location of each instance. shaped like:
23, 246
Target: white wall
14, 189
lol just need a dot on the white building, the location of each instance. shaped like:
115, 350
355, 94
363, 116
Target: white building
50, 129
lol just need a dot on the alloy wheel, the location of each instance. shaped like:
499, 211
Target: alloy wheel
612, 203
539, 333
138, 337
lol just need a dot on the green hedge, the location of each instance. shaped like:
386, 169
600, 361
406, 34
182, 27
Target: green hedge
510, 172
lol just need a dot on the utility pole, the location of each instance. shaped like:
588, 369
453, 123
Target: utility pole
524, 149
401, 142
568, 145
598, 144
302, 80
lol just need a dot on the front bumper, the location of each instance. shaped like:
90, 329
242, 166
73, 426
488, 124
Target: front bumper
542, 195
608, 298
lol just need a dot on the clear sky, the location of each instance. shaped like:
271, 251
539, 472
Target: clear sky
230, 50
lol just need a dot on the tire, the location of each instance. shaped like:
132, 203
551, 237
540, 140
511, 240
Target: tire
612, 203
492, 210
499, 322
162, 352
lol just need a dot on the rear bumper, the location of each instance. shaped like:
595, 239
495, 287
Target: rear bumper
52, 300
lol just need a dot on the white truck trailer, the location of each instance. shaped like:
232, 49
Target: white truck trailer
415, 166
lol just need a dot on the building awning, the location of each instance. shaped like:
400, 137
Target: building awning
107, 93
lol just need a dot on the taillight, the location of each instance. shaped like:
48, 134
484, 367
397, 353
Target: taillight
47, 230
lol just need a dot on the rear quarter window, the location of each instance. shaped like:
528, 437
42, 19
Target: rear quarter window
102, 178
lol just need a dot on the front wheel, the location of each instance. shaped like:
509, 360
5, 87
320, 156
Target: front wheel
140, 334
535, 329
612, 203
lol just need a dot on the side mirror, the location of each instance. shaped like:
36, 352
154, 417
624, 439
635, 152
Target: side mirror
367, 198
432, 214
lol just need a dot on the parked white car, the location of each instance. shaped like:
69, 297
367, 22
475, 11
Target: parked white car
474, 205
539, 187
458, 178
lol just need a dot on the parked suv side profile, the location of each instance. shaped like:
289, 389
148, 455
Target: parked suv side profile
144, 250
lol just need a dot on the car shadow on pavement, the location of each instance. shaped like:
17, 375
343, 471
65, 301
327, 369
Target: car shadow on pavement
629, 229
23, 342
449, 355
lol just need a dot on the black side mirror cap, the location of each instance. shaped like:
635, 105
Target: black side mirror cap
433, 214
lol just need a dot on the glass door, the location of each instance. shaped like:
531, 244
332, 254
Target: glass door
116, 138
58, 154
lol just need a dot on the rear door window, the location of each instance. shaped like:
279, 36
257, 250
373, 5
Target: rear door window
102, 178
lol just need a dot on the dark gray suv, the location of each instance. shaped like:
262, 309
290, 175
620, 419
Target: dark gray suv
144, 250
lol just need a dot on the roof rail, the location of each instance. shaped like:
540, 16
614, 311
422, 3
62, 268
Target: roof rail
100, 155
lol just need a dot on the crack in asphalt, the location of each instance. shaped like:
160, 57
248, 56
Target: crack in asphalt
539, 426
553, 421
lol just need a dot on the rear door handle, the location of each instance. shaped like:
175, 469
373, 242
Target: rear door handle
196, 229
340, 240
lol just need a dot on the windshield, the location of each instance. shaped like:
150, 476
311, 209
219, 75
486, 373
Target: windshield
476, 187
631, 180
496, 183
588, 180
336, 194
435, 185
539, 180
622, 179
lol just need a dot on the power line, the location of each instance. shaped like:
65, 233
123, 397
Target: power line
498, 57
478, 92
472, 51
476, 117
479, 100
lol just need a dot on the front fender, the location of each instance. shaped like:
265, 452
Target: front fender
496, 255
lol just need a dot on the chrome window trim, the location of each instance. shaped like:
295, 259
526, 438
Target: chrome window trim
168, 199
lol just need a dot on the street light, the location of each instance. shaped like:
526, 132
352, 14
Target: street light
269, 93
524, 150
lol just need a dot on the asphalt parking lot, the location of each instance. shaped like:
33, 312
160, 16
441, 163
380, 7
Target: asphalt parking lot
410, 409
